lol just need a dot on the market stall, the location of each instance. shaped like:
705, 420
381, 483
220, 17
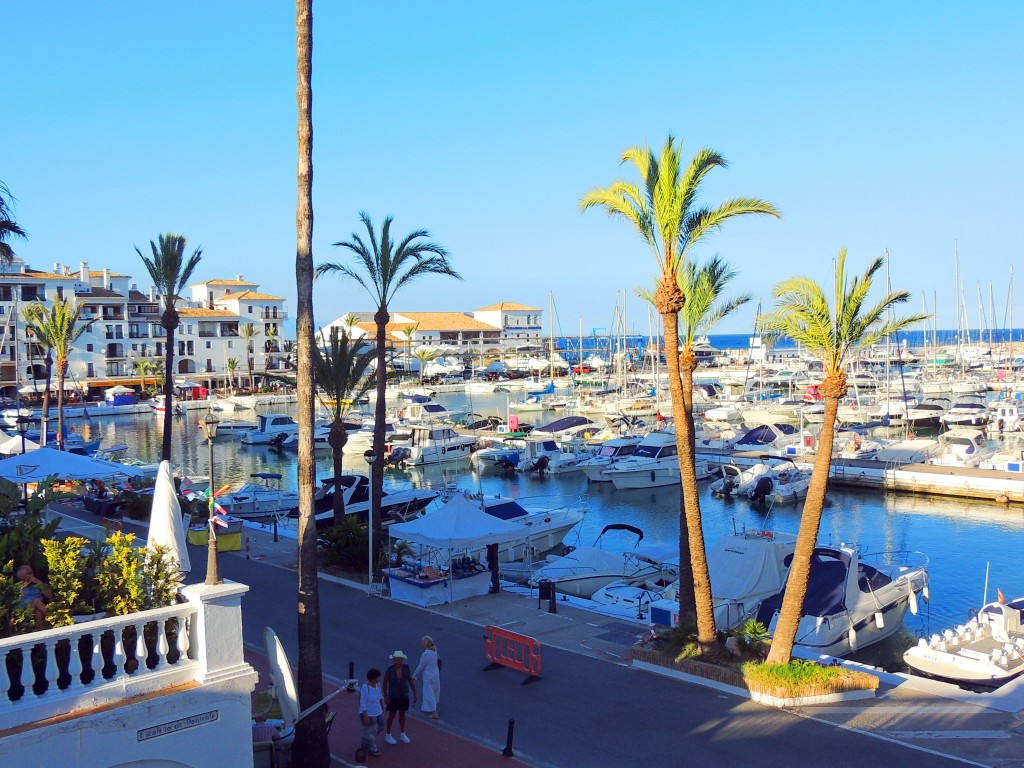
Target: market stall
457, 527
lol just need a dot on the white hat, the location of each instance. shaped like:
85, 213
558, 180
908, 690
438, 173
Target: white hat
398, 655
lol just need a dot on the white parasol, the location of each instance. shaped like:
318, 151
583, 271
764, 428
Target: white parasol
38, 465
165, 526
16, 445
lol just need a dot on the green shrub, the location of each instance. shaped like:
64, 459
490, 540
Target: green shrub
346, 544
67, 570
120, 576
15, 618
804, 678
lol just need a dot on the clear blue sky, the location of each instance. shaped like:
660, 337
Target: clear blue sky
870, 125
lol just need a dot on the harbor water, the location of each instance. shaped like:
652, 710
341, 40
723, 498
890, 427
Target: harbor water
963, 539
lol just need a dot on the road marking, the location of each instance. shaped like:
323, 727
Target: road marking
947, 709
948, 734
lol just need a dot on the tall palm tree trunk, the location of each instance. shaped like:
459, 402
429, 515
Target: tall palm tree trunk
165, 451
706, 630
45, 416
810, 522
338, 438
668, 301
61, 367
381, 318
310, 747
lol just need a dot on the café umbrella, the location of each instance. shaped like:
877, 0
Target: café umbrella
46, 462
165, 524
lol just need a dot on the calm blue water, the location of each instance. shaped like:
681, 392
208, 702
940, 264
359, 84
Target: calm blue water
959, 537
915, 339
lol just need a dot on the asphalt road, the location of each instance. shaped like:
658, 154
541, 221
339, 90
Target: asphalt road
584, 712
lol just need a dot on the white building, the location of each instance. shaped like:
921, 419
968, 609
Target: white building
490, 330
126, 329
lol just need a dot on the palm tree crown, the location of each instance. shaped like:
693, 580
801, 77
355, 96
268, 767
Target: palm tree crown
8, 226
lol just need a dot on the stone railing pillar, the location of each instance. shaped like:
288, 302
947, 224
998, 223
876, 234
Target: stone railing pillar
216, 633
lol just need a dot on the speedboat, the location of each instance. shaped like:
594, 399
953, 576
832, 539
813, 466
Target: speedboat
654, 463
634, 594
851, 603
527, 454
784, 482
585, 570
431, 444
962, 447
395, 506
269, 427
608, 453
968, 411
262, 497
744, 568
988, 650
737, 482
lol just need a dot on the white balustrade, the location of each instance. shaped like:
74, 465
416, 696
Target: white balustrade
45, 674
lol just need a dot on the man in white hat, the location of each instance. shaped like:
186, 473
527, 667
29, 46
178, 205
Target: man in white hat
398, 683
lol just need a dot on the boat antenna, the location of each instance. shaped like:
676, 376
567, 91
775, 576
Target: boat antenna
984, 598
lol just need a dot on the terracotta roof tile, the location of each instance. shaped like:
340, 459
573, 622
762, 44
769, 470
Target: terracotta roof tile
511, 306
250, 295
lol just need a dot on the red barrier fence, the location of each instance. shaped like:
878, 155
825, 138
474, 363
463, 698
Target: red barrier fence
512, 650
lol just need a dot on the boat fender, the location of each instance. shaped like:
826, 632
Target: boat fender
913, 601
926, 594
852, 636
879, 620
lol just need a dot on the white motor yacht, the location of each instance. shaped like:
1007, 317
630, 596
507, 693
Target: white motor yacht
269, 427
962, 447
608, 453
853, 601
967, 411
654, 463
431, 444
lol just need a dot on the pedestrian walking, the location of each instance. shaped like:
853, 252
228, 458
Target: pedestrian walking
429, 673
398, 683
371, 711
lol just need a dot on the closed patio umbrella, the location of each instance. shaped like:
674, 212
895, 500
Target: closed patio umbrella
165, 525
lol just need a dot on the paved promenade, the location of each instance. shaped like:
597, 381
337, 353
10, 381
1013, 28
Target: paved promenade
591, 708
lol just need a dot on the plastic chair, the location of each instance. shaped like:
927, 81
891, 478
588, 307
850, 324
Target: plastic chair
264, 754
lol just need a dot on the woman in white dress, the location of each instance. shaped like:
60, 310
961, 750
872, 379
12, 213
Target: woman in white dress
429, 672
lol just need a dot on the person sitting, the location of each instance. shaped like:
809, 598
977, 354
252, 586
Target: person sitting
34, 594
264, 731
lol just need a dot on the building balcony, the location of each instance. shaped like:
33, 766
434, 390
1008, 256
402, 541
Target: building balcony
166, 681
279, 315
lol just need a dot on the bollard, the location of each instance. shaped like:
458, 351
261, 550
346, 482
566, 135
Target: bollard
248, 546
507, 752
275, 528
552, 605
351, 677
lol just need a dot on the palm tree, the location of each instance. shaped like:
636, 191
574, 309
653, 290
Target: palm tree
144, 368
58, 328
382, 267
248, 332
288, 348
424, 356
232, 367
310, 747
170, 272
408, 332
350, 321
833, 335
8, 226
35, 318
340, 369
664, 212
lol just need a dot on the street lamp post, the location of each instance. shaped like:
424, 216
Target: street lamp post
23, 421
371, 458
209, 425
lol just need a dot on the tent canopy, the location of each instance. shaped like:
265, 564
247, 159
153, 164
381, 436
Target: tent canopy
459, 524
16, 445
40, 464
